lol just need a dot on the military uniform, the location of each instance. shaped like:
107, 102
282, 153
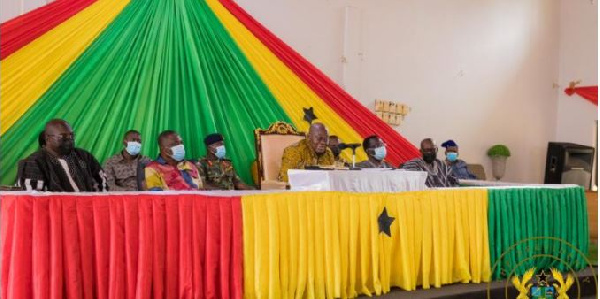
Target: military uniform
218, 173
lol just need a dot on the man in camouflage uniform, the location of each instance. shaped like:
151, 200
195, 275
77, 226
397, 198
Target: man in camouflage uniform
216, 171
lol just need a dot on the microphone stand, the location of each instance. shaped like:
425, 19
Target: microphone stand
352, 146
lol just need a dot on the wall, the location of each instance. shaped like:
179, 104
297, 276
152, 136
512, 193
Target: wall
578, 61
12, 8
479, 72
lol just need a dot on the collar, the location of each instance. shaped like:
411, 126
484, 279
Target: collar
182, 165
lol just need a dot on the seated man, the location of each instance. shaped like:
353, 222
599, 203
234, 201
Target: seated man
61, 167
170, 171
375, 149
438, 173
122, 168
216, 171
21, 164
459, 167
334, 142
312, 151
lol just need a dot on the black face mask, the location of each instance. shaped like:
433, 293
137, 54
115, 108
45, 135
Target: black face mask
429, 157
65, 146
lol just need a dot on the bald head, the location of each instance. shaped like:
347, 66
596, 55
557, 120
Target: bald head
59, 137
318, 138
428, 150
428, 143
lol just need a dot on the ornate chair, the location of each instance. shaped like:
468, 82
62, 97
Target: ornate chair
270, 144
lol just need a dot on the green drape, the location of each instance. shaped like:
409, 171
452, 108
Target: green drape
526, 214
160, 65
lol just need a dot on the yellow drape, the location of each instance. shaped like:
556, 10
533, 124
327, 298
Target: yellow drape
289, 90
327, 244
28, 73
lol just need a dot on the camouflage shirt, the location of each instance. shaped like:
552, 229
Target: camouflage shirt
218, 173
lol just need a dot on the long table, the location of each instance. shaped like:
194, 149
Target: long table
281, 245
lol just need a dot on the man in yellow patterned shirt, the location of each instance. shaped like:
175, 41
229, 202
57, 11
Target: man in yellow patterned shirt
312, 151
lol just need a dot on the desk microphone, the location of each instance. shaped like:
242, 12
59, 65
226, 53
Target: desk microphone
353, 146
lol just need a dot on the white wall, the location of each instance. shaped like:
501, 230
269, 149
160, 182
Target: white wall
578, 61
479, 72
12, 8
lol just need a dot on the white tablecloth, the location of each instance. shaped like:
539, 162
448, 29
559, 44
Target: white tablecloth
365, 180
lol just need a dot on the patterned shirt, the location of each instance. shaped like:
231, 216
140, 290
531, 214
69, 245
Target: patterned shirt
162, 176
440, 175
371, 164
461, 171
122, 175
218, 173
77, 171
299, 156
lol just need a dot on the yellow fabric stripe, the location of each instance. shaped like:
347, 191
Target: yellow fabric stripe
28, 73
289, 90
328, 244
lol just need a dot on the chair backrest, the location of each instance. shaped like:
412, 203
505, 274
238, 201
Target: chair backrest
270, 144
477, 170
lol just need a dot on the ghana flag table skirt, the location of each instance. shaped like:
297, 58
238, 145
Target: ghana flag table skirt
276, 245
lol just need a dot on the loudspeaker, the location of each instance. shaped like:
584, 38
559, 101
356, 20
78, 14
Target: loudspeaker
568, 163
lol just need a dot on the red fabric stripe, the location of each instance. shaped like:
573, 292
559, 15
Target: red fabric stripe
358, 116
20, 31
589, 93
121, 246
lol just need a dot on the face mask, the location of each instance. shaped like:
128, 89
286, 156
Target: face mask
220, 151
429, 157
380, 153
451, 156
178, 152
133, 148
65, 146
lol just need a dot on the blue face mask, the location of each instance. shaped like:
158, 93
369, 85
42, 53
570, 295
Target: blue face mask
380, 153
133, 148
220, 151
178, 152
451, 156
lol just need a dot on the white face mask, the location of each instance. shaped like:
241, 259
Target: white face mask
133, 148
178, 152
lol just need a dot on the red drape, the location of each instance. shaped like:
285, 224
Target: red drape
589, 93
23, 29
359, 117
121, 246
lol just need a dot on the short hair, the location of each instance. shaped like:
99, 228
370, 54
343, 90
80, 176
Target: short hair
42, 138
164, 134
365, 143
334, 136
129, 132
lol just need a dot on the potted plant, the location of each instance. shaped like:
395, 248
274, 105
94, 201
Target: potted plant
498, 153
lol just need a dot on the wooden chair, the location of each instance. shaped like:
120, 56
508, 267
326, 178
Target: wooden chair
270, 144
477, 170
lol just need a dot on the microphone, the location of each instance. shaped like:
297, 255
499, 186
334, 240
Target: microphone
353, 146
343, 146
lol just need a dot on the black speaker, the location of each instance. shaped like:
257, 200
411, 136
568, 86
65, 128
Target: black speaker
568, 163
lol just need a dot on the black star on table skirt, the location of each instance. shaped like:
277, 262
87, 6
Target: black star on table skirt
385, 221
309, 115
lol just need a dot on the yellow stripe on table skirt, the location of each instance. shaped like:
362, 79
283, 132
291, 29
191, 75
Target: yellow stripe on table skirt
289, 90
328, 244
29, 72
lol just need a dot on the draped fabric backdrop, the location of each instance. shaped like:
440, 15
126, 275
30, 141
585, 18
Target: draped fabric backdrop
197, 67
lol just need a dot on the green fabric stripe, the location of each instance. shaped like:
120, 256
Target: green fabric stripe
160, 65
518, 214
